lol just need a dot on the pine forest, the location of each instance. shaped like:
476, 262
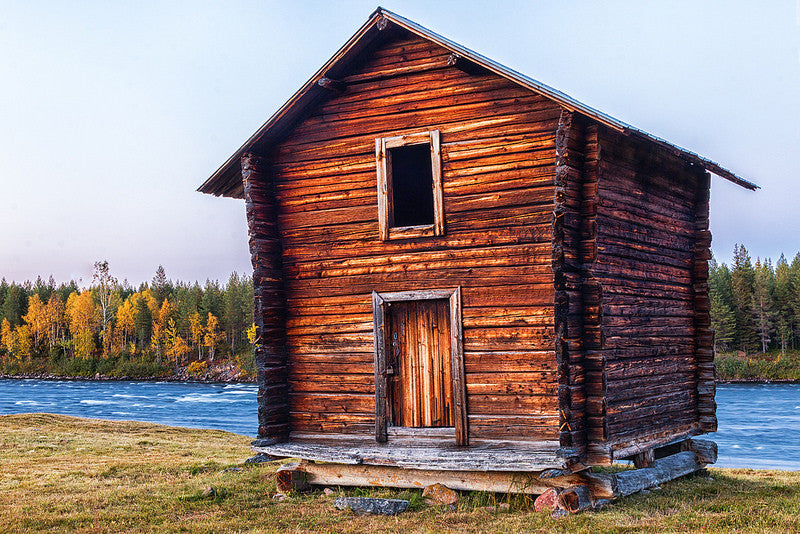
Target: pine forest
116, 330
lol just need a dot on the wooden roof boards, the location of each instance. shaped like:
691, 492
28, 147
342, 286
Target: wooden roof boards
226, 181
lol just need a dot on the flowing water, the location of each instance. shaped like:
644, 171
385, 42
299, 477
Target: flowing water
759, 424
230, 407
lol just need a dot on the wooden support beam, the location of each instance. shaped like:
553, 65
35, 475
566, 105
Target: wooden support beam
576, 492
614, 486
705, 450
644, 459
576, 499
396, 477
330, 84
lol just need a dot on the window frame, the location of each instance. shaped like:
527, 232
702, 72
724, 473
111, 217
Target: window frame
383, 146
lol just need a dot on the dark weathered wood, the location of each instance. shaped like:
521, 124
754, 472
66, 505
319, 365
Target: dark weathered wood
644, 459
647, 265
381, 402
459, 376
269, 313
704, 337
614, 486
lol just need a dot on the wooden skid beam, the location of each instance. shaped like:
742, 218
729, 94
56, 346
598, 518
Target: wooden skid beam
397, 477
614, 486
577, 491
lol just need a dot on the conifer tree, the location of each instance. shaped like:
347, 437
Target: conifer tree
782, 304
723, 320
763, 285
161, 286
742, 281
15, 304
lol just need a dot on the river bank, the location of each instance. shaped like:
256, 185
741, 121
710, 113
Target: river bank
763, 367
226, 371
70, 474
237, 378
731, 369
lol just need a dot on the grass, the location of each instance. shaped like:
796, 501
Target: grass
766, 366
63, 473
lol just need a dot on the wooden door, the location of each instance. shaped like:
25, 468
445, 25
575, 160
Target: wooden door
420, 372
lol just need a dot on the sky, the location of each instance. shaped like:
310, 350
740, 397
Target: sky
113, 113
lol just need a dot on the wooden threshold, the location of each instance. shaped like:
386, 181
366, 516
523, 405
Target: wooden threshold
432, 455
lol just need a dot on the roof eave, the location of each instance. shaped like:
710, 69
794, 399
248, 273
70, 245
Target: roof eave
224, 181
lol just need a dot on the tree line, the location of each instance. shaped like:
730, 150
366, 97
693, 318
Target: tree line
755, 306
160, 322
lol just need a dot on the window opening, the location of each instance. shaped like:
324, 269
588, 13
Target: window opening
409, 186
412, 185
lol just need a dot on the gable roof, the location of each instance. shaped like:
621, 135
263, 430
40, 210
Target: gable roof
226, 181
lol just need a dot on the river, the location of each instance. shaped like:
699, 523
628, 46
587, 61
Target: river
759, 424
230, 407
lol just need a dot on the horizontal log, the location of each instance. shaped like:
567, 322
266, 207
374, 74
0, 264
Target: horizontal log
395, 477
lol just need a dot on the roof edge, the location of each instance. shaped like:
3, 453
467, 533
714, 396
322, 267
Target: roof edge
219, 182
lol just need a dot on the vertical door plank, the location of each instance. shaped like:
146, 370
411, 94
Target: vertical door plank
459, 377
379, 320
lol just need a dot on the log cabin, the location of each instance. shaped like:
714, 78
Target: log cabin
464, 275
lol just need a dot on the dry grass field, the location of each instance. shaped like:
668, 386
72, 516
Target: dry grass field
65, 474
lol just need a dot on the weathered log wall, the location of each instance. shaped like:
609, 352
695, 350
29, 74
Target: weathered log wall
269, 312
652, 207
497, 146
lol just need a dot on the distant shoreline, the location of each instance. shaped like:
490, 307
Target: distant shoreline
104, 378
758, 381
252, 380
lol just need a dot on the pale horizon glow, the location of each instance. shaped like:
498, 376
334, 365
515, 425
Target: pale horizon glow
114, 113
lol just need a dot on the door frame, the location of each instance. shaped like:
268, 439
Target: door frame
380, 310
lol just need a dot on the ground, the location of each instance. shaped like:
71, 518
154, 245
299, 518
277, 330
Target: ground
63, 473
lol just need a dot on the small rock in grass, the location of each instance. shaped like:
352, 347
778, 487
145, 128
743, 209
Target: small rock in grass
260, 458
559, 513
366, 505
209, 493
439, 494
278, 497
328, 491
547, 501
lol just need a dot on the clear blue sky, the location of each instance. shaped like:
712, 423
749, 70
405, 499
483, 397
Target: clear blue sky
112, 113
